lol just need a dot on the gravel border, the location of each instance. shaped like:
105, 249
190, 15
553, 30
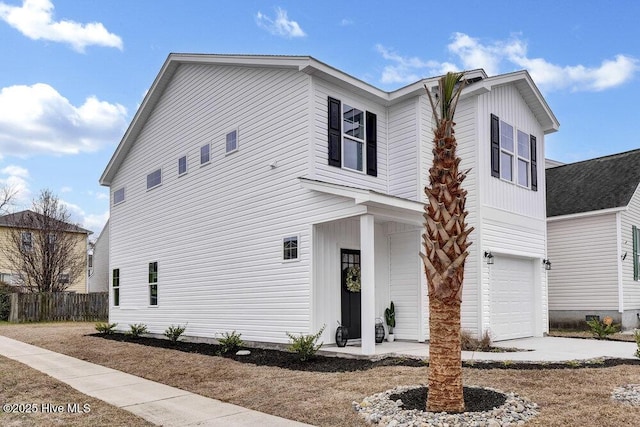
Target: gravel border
628, 394
379, 409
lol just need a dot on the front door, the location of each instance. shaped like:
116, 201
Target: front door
350, 300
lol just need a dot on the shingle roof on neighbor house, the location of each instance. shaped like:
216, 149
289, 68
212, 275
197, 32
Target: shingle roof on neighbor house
19, 218
592, 185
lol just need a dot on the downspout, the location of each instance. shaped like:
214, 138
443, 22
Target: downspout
619, 261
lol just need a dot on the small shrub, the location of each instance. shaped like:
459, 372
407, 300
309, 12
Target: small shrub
601, 329
5, 300
230, 342
305, 345
106, 328
174, 332
137, 329
636, 334
470, 343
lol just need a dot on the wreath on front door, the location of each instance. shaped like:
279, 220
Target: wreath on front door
353, 279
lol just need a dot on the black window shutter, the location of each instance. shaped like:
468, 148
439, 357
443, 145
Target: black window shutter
534, 164
495, 146
335, 133
372, 148
636, 269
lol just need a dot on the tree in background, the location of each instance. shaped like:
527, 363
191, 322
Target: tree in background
7, 194
445, 249
46, 252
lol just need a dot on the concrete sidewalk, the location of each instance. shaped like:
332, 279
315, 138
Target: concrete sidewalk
155, 402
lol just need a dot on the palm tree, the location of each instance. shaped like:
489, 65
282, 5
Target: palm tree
445, 249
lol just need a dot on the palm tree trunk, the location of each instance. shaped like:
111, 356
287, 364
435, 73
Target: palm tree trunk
445, 373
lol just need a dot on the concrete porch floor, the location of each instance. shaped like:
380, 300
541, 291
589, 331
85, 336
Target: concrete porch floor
545, 349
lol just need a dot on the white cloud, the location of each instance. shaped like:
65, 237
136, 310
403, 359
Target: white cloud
93, 222
17, 179
345, 22
406, 70
501, 56
38, 120
34, 19
66, 189
281, 25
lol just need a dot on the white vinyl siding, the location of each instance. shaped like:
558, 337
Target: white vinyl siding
261, 299
584, 256
507, 103
405, 283
403, 150
631, 288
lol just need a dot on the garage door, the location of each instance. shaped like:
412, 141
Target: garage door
512, 302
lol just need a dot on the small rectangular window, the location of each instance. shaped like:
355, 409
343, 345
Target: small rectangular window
635, 234
232, 141
154, 179
205, 154
153, 283
118, 196
115, 281
63, 278
27, 241
182, 165
353, 129
290, 248
524, 159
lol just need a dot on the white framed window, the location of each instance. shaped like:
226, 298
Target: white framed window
118, 196
153, 283
115, 284
353, 138
182, 165
205, 154
26, 238
154, 179
524, 159
231, 144
290, 248
63, 278
507, 150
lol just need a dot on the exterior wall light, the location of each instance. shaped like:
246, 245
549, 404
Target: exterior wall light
489, 257
547, 264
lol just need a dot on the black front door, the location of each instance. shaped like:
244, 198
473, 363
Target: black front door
350, 300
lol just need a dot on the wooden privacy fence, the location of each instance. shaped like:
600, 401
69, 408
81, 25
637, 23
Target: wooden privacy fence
55, 306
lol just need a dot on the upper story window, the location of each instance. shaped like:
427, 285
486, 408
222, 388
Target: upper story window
205, 154
182, 165
232, 141
26, 241
154, 179
513, 154
118, 196
352, 138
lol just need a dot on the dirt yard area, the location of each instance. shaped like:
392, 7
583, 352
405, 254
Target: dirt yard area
567, 397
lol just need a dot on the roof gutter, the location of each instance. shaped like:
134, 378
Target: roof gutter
587, 214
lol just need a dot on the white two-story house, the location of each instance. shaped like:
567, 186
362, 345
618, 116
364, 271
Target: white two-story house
247, 186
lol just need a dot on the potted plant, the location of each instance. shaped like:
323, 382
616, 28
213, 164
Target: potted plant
390, 318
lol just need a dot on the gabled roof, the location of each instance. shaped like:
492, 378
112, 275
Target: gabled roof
592, 185
307, 64
22, 217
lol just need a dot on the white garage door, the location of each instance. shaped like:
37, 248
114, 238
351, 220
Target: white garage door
512, 303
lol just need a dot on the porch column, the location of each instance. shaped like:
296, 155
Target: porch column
367, 288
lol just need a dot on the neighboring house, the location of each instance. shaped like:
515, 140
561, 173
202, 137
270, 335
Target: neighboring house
593, 210
550, 163
99, 263
11, 221
246, 187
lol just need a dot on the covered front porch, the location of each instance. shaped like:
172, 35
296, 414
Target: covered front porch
383, 241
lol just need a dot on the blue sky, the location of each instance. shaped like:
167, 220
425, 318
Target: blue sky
74, 72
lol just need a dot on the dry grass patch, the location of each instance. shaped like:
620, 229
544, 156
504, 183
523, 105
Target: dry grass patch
567, 333
567, 397
20, 384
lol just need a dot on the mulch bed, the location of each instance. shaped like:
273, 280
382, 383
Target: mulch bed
320, 363
475, 399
